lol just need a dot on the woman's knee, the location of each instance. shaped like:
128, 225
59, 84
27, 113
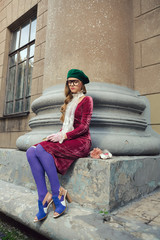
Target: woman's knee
39, 149
30, 152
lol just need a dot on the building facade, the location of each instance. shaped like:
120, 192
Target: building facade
114, 42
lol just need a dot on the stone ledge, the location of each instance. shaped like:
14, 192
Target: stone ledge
92, 182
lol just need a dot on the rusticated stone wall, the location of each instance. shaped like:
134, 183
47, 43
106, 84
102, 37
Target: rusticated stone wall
147, 54
10, 12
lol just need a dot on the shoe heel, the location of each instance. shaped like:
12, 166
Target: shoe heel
49, 204
53, 205
68, 198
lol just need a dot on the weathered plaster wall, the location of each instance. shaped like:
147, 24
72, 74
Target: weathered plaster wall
147, 54
133, 177
95, 36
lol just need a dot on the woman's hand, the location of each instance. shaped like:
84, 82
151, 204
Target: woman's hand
56, 137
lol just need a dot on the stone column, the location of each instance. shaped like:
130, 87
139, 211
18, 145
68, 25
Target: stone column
94, 36
120, 121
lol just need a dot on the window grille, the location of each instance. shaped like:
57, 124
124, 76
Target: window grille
19, 78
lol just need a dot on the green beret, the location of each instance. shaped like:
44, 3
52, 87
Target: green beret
75, 73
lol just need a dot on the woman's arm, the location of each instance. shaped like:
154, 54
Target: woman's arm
87, 109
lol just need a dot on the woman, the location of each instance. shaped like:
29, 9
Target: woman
60, 150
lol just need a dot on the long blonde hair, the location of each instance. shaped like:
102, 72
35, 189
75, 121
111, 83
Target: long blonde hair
68, 98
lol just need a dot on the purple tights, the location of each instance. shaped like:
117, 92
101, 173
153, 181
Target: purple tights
40, 162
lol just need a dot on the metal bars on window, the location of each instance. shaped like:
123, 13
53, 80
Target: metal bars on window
21, 58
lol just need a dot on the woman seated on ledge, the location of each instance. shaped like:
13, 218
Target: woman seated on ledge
60, 150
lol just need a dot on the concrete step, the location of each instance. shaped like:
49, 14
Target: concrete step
78, 222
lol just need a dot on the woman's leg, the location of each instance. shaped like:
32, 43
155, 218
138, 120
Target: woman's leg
48, 164
38, 172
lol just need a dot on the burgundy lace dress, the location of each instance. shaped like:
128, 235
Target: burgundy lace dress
78, 142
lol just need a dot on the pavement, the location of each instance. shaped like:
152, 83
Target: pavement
135, 221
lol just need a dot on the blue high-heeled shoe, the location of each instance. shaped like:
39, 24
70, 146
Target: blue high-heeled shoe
43, 211
60, 202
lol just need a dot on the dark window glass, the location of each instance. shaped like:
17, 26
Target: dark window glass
24, 39
33, 30
15, 40
11, 83
29, 79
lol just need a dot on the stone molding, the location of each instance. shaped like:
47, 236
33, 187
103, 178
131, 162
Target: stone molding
120, 120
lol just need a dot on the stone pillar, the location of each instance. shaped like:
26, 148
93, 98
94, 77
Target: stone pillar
120, 121
94, 36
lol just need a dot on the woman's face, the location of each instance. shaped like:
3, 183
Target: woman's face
74, 84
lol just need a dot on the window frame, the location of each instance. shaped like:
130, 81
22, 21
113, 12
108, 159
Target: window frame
28, 18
